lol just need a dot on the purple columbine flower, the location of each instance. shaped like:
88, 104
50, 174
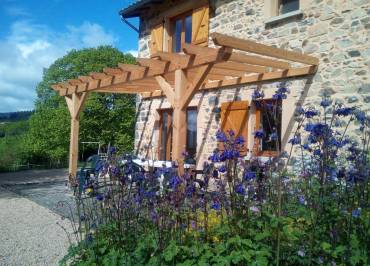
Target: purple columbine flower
222, 169
325, 103
344, 111
356, 213
216, 206
248, 175
259, 134
239, 140
302, 199
257, 94
239, 189
220, 136
295, 140
231, 133
175, 181
215, 157
99, 197
311, 113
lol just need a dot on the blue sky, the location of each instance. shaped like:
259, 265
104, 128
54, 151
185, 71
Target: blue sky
33, 33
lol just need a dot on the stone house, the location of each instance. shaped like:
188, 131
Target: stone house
335, 31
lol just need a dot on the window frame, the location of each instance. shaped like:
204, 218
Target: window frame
170, 126
279, 7
258, 117
172, 28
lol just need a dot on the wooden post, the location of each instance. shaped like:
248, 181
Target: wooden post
75, 103
179, 120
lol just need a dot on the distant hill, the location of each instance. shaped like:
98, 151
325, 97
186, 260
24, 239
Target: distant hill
15, 116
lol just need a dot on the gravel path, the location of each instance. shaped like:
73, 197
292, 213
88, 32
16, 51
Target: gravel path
29, 234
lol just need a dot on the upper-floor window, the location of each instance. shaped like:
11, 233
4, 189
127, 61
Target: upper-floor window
286, 6
184, 23
181, 31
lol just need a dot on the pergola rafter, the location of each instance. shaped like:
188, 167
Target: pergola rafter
180, 76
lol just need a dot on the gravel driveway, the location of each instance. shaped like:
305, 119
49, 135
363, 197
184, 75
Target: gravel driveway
29, 234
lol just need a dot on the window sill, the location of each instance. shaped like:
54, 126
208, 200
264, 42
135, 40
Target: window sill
280, 18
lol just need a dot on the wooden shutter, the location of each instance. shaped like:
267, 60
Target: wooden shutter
200, 25
234, 115
156, 39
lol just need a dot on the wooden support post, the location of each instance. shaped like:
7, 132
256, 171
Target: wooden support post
75, 103
179, 120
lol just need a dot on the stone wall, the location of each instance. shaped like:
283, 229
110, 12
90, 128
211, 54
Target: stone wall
336, 31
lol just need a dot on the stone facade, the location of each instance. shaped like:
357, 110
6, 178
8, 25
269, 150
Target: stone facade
336, 31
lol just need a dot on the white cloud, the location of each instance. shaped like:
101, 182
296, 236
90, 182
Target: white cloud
133, 52
29, 48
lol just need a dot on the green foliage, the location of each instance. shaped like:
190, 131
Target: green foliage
106, 118
12, 143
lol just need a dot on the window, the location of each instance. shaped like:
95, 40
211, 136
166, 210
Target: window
186, 22
191, 132
181, 29
286, 6
165, 133
268, 118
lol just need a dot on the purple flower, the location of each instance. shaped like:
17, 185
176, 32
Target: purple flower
257, 94
281, 93
215, 157
239, 140
216, 206
344, 111
248, 175
220, 136
356, 213
231, 133
295, 140
239, 189
175, 181
259, 134
302, 199
274, 136
325, 103
222, 169
99, 197
311, 113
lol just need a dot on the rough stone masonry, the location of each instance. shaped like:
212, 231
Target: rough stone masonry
335, 31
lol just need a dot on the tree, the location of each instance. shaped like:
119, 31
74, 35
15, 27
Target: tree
108, 118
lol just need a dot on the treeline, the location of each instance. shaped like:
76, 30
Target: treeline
43, 139
15, 116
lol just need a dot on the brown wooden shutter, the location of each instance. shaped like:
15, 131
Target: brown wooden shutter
200, 25
156, 39
234, 115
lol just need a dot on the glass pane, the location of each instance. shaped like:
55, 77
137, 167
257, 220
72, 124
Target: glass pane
191, 133
289, 6
188, 29
271, 125
176, 41
164, 136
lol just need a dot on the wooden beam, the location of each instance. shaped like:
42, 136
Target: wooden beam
257, 60
193, 87
158, 66
179, 120
293, 72
237, 57
75, 104
253, 47
241, 67
167, 90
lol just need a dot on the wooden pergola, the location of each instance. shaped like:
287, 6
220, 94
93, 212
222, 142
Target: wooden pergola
179, 76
